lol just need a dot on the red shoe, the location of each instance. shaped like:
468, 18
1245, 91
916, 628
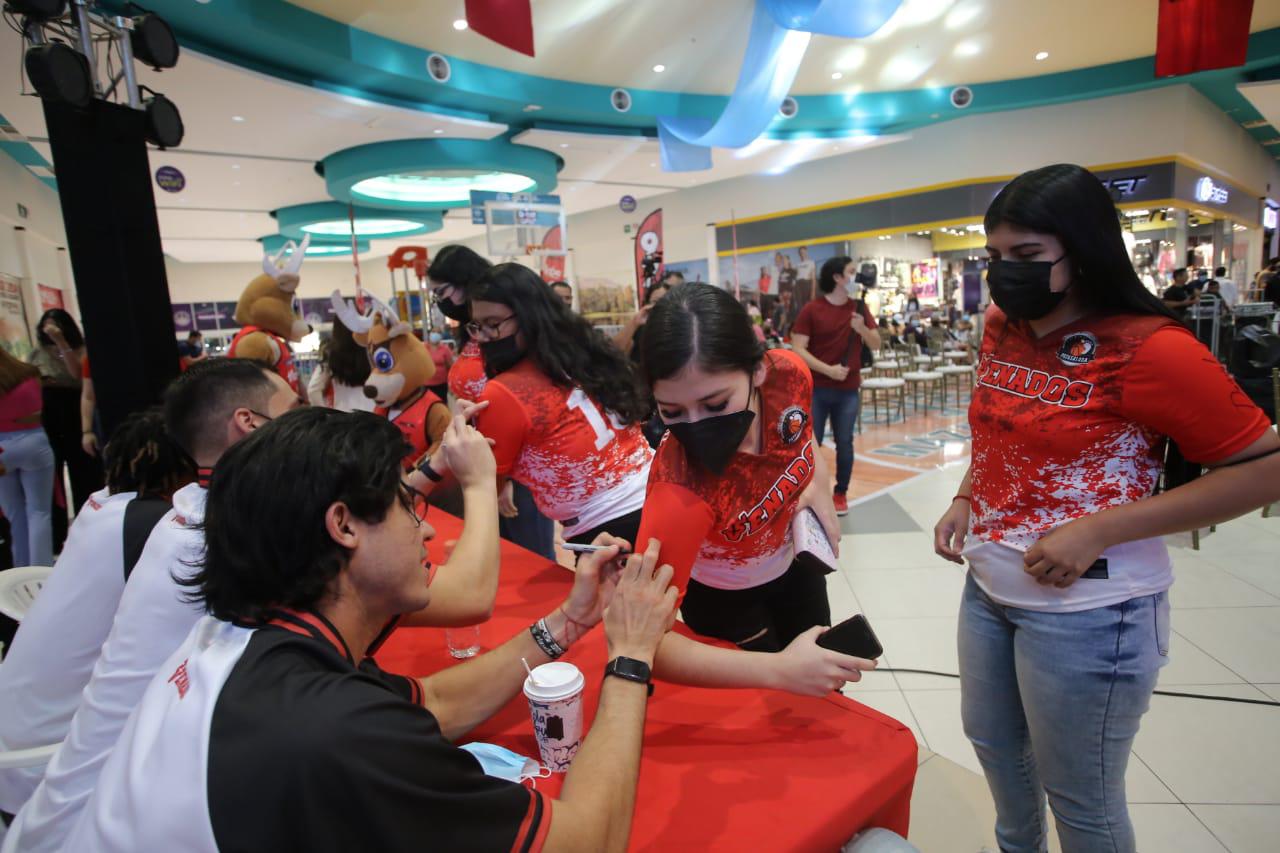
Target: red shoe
842, 505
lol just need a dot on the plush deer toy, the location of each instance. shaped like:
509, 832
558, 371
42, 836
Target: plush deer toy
266, 312
401, 371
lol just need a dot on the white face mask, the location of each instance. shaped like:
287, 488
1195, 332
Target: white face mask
502, 763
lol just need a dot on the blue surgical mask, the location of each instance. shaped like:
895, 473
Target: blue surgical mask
434, 337
502, 763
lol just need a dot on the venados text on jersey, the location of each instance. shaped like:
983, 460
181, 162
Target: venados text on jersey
1033, 384
791, 481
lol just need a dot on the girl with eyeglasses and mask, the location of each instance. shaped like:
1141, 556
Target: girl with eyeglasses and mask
1084, 378
452, 270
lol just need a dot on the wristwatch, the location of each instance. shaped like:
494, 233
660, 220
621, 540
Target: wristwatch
630, 669
429, 472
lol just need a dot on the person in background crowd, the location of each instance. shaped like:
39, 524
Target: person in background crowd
288, 736
207, 409
561, 405
1271, 289
936, 336
784, 314
452, 271
61, 635
630, 337
565, 291
764, 284
192, 349
26, 487
442, 356
88, 410
672, 278
1064, 623
722, 495
913, 302
1230, 292
338, 380
829, 336
1178, 296
806, 274
59, 359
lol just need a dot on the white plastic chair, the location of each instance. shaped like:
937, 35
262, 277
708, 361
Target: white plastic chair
18, 589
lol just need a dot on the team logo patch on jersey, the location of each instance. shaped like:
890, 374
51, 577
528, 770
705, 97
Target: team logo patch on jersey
791, 424
1078, 348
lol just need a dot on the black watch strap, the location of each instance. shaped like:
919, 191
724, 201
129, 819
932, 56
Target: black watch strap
429, 472
632, 670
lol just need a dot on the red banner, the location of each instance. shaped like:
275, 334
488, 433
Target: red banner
50, 297
508, 22
552, 266
1199, 35
649, 265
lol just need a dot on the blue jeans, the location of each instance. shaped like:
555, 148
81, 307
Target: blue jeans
530, 529
1051, 702
26, 495
841, 407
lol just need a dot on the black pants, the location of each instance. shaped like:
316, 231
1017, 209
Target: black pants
624, 527
61, 421
762, 618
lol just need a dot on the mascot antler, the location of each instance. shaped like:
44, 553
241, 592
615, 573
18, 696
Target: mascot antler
286, 273
360, 324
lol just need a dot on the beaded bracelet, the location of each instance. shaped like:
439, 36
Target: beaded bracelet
543, 637
964, 498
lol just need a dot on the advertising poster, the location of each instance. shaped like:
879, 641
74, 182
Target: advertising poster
227, 315
552, 267
695, 270
184, 318
924, 278
206, 314
779, 281
606, 302
648, 251
317, 311
50, 297
14, 336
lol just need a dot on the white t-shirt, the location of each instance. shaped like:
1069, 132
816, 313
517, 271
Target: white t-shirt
152, 621
1230, 292
60, 638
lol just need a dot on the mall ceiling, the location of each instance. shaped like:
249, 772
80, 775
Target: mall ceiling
268, 88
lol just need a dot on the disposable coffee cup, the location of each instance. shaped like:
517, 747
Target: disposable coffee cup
554, 692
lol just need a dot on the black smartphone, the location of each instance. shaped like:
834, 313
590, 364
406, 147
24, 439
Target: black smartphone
854, 637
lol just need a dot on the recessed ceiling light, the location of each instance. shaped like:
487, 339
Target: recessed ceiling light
836, 75
564, 145
237, 118
658, 69
1042, 55
531, 108
460, 24
235, 165
437, 131
653, 165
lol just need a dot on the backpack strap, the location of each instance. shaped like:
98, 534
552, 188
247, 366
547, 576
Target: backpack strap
140, 518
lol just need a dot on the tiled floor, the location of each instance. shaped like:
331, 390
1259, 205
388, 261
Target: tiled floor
1204, 774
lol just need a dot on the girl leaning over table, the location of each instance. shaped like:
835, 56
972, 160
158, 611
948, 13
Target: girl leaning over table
563, 410
1083, 379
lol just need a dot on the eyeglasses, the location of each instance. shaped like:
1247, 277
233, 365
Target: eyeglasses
443, 292
489, 327
415, 502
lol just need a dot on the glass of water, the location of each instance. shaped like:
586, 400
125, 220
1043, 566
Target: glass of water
463, 642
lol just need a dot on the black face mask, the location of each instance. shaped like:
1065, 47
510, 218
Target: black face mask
1021, 288
501, 355
454, 311
711, 442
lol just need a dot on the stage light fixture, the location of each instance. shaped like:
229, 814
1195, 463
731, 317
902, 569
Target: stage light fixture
37, 10
59, 73
164, 123
153, 41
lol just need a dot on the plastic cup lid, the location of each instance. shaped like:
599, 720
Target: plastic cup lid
554, 681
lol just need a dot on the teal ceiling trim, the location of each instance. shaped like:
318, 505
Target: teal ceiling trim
25, 155
403, 167
277, 38
331, 220
316, 248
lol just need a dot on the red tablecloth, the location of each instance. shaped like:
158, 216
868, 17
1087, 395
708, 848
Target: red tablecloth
722, 769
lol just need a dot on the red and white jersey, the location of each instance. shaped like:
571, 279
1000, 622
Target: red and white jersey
153, 619
466, 376
1074, 423
581, 466
412, 423
284, 364
734, 531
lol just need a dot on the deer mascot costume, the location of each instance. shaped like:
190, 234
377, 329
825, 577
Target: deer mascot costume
401, 371
265, 311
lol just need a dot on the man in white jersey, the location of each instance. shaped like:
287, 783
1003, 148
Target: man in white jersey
60, 637
208, 409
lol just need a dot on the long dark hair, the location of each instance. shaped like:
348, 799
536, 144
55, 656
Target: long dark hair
462, 266
702, 322
1070, 203
564, 346
831, 268
347, 361
65, 323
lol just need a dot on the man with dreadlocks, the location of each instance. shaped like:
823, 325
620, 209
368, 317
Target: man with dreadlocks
60, 636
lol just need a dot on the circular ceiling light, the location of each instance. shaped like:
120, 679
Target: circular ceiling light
332, 220
836, 75
658, 69
435, 174
317, 248
1042, 55
460, 24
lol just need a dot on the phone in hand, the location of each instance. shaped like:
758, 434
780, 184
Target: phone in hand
853, 637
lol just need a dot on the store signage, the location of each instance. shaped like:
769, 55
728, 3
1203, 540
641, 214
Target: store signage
170, 179
1127, 185
1270, 218
1208, 191
627, 204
